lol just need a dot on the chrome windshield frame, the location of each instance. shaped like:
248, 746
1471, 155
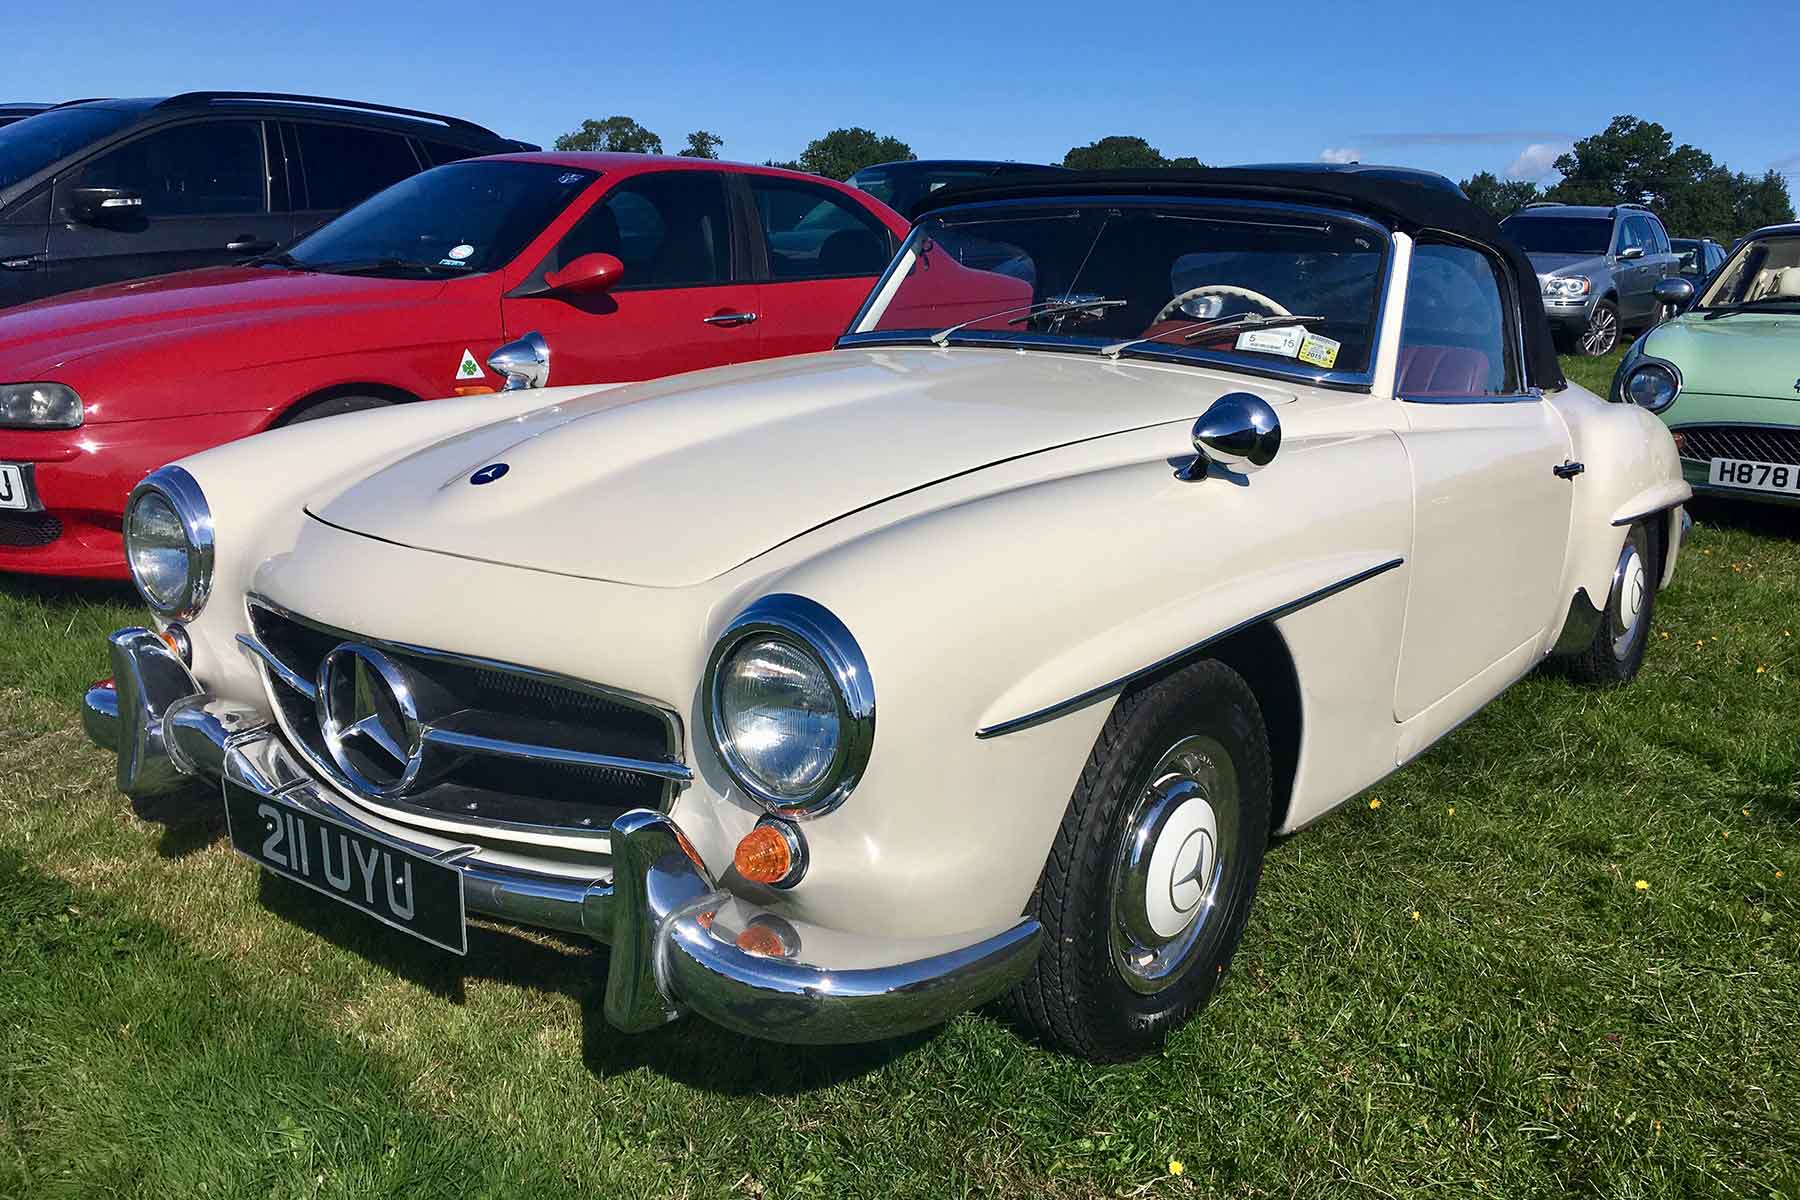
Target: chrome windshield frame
1356, 381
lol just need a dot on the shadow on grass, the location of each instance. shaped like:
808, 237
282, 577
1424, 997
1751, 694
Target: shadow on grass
690, 1051
191, 819
1764, 520
50, 590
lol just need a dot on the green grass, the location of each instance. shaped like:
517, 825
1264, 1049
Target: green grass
1460, 992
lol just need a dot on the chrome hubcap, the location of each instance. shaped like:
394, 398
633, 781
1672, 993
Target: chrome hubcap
1167, 877
1630, 592
1601, 332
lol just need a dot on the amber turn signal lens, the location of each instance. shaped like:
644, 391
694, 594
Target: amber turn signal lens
474, 391
764, 940
764, 856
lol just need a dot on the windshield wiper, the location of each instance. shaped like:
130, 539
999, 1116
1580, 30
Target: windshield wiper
369, 266
1713, 314
1043, 308
282, 259
1237, 322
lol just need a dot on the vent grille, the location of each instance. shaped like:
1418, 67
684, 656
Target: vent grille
1751, 442
28, 530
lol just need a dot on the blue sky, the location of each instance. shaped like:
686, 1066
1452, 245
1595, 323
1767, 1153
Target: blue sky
1456, 88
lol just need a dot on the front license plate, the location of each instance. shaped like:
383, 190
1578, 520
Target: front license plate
15, 492
1757, 476
412, 893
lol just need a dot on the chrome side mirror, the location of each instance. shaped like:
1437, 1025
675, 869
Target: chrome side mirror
1674, 292
523, 364
1630, 253
1240, 432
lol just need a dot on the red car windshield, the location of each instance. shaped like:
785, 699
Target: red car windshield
459, 219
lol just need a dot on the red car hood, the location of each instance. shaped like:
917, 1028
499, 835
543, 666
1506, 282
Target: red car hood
38, 340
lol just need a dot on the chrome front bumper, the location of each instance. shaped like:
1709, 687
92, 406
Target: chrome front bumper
679, 942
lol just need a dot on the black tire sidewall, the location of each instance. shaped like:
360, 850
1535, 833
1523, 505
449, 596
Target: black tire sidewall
336, 406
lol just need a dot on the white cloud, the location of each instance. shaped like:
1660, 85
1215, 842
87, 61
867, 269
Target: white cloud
1536, 161
1340, 154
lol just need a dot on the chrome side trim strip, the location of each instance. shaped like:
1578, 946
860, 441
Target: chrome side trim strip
1082, 700
283, 672
474, 743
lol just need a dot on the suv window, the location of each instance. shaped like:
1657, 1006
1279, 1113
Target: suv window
28, 149
813, 232
1456, 338
439, 153
214, 167
344, 165
669, 229
1558, 235
1656, 241
1633, 232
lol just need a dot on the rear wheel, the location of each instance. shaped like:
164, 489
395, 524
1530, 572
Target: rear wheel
1147, 889
336, 406
1617, 649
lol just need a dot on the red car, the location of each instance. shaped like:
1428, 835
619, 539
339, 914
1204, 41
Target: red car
631, 266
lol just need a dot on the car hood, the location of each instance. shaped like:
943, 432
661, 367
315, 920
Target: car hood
37, 341
1750, 354
1567, 264
671, 483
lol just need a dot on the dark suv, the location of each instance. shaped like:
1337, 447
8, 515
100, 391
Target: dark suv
1598, 267
18, 110
98, 191
900, 185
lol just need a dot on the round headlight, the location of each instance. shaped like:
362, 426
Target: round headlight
169, 542
790, 706
1652, 385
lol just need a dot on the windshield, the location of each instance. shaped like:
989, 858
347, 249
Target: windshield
902, 185
1764, 272
459, 219
1560, 235
1197, 278
28, 146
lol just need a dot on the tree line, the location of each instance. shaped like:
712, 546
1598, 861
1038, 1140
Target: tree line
1630, 160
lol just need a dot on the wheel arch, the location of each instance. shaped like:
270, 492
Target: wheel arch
388, 392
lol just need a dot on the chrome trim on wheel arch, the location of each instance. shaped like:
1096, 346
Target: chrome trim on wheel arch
1083, 699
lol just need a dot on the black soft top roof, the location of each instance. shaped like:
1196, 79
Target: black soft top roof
1408, 205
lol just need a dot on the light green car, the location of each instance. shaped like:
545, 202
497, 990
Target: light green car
1724, 375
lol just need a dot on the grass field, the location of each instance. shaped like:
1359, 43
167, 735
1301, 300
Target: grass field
1561, 957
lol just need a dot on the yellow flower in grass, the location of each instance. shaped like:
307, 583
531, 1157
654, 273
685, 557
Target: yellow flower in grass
1760, 668
1642, 885
1451, 810
1375, 803
1778, 875
1175, 1166
1415, 914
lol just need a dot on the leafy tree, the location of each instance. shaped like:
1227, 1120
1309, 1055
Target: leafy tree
1638, 161
1122, 151
702, 144
1501, 197
843, 152
615, 133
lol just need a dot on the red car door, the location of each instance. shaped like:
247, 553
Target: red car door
823, 251
684, 301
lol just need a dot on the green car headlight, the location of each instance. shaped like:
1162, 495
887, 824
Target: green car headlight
1652, 385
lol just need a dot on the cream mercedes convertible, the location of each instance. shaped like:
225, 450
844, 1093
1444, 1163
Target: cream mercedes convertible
1138, 518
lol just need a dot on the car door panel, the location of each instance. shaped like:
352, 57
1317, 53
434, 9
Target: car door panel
681, 305
821, 252
204, 187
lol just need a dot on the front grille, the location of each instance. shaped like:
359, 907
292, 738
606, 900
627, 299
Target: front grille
1757, 443
28, 530
507, 747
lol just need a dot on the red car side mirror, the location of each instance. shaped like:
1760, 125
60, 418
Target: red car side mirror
588, 275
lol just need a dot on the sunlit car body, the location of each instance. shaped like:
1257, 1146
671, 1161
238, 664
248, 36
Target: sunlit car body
845, 692
1724, 374
630, 267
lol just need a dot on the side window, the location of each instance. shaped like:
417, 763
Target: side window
439, 153
1457, 336
344, 165
669, 229
814, 233
1631, 233
1659, 240
189, 170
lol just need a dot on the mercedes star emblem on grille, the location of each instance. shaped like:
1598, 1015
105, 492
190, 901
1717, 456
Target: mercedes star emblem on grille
489, 473
369, 719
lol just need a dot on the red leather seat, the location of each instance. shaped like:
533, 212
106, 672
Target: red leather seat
1442, 371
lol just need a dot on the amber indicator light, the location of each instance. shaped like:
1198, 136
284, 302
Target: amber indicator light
763, 856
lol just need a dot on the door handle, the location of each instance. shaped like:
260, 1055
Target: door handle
30, 262
244, 243
1568, 470
729, 319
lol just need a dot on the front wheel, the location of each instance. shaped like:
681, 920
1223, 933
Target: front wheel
1617, 649
1147, 889
1602, 333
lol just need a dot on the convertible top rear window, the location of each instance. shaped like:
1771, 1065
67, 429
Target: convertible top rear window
1271, 285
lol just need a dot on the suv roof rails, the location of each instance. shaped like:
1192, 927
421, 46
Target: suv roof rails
194, 99
1545, 204
1634, 204
83, 100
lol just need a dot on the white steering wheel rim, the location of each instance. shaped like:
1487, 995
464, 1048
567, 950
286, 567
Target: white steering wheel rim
1221, 289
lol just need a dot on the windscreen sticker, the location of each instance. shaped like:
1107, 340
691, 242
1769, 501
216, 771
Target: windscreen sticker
453, 262
461, 252
1319, 351
468, 368
1284, 342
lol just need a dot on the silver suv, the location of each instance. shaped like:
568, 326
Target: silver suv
1598, 267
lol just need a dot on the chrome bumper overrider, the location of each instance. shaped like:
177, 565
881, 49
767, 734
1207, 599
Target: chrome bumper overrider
674, 933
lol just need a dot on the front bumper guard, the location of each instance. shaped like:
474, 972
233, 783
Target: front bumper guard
677, 938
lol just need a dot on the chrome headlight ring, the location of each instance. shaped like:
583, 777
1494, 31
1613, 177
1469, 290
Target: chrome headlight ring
1636, 361
812, 629
180, 491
